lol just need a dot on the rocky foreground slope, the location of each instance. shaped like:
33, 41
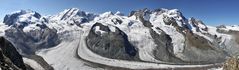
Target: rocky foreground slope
10, 59
145, 39
231, 64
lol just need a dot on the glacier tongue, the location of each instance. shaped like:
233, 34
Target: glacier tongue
64, 56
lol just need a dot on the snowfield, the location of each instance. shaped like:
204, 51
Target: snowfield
33, 64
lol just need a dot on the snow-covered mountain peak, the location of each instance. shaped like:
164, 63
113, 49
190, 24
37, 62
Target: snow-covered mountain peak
175, 13
111, 18
169, 12
160, 14
71, 10
119, 13
197, 25
139, 12
66, 14
169, 17
26, 12
106, 14
72, 16
177, 16
22, 17
31, 27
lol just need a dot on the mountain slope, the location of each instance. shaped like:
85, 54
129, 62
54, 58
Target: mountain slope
28, 31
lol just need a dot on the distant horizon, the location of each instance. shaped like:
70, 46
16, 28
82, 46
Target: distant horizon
211, 12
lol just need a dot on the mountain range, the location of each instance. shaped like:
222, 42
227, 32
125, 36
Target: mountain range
144, 39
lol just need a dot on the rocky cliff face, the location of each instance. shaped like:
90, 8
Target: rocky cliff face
10, 59
231, 63
111, 42
194, 48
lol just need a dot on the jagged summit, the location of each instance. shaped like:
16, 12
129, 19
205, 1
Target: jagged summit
197, 25
69, 13
106, 14
73, 16
166, 14
119, 13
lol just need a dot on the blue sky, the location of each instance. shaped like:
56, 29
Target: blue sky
212, 12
